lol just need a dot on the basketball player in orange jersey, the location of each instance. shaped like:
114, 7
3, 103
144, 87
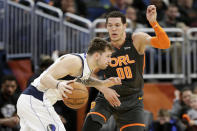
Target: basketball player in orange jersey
127, 62
34, 106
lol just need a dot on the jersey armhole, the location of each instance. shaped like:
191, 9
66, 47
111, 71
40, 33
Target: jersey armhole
82, 63
132, 44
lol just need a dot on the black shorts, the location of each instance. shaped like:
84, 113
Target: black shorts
129, 113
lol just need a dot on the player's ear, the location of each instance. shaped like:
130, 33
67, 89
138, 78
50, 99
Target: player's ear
96, 55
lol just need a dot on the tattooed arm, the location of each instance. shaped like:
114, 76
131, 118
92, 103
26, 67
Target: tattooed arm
110, 94
99, 84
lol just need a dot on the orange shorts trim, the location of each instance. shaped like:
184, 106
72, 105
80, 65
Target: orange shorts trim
97, 113
134, 124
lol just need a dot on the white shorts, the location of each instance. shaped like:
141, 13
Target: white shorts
37, 115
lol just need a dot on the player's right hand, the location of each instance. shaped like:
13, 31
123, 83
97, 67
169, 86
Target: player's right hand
112, 81
111, 96
64, 87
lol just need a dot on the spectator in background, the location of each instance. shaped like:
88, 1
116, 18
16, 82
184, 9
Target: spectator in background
101, 26
119, 5
131, 13
164, 122
184, 16
172, 20
73, 6
142, 5
171, 15
68, 6
195, 89
161, 8
192, 114
181, 106
9, 121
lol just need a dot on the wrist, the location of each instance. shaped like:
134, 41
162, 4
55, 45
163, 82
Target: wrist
57, 85
102, 90
104, 83
153, 24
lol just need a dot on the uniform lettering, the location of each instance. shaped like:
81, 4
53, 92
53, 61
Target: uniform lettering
121, 60
122, 72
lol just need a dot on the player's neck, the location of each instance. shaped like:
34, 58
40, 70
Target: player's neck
91, 63
120, 42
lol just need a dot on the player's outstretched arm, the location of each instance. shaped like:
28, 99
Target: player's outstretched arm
102, 85
161, 39
94, 82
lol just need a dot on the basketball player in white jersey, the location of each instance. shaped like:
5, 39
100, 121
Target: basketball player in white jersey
34, 106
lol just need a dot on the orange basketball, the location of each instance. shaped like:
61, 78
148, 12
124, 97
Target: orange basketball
79, 96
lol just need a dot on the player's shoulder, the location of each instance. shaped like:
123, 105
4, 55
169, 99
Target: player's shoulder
138, 36
71, 59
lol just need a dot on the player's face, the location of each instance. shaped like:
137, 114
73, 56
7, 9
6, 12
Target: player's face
9, 87
104, 59
115, 28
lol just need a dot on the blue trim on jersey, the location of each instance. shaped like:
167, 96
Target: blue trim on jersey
82, 62
31, 90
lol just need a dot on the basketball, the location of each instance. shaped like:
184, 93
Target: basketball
79, 96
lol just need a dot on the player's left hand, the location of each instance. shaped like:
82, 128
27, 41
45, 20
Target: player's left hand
111, 96
112, 81
151, 13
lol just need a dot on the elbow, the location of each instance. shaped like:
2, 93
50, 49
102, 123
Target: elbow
43, 79
167, 45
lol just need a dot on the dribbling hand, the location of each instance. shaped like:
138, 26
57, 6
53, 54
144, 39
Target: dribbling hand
63, 88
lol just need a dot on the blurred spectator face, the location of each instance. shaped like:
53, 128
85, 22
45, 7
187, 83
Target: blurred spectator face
163, 116
188, 3
9, 87
181, 2
102, 26
186, 96
194, 103
172, 12
129, 2
131, 14
68, 6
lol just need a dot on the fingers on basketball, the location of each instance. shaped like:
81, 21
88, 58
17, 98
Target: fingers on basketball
79, 96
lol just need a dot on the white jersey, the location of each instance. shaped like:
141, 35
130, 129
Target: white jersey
34, 106
52, 94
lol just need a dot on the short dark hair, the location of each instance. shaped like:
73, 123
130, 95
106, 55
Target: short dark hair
8, 78
163, 113
116, 14
98, 45
172, 5
186, 88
